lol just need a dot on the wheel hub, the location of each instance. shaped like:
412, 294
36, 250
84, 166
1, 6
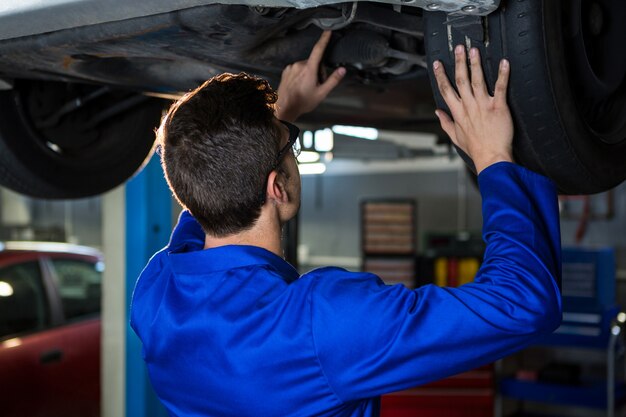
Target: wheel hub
596, 57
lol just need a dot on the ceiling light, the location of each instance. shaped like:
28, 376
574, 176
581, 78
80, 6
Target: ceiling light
308, 157
307, 139
324, 141
312, 169
368, 133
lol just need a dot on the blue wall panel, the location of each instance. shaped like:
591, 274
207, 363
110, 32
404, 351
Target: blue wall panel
148, 227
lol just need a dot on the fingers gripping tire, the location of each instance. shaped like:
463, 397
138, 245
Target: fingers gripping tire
567, 90
81, 152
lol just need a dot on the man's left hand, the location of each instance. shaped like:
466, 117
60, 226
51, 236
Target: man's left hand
300, 91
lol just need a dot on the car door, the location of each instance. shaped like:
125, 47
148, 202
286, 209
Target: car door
73, 371
25, 318
50, 356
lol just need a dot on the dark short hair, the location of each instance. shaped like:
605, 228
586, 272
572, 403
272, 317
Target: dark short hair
218, 145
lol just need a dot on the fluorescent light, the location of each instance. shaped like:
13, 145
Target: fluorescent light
312, 169
307, 139
368, 133
324, 141
308, 157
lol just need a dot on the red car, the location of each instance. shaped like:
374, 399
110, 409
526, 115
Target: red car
49, 329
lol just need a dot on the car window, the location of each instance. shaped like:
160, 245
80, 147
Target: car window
79, 287
23, 303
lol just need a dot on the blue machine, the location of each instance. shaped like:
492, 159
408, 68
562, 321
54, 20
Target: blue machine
589, 301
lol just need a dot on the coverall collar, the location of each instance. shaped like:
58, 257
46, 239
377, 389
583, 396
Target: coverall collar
228, 257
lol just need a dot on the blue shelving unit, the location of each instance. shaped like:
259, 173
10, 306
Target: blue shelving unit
591, 320
589, 395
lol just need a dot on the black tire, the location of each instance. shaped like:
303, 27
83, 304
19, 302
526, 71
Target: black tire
567, 90
84, 151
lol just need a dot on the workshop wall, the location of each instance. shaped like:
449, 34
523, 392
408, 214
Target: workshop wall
74, 221
447, 201
600, 230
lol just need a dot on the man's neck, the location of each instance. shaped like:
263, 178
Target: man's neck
266, 234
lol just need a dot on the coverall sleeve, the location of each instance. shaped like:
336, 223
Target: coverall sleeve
373, 339
187, 234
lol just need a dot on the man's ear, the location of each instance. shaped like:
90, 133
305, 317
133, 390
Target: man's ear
276, 187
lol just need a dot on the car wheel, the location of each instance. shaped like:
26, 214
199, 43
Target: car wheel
61, 140
567, 90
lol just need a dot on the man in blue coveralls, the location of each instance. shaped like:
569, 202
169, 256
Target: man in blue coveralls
230, 329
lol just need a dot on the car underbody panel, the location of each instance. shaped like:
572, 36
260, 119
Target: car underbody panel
29, 17
171, 53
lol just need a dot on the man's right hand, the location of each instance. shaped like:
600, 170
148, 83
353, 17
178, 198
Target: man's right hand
300, 91
481, 125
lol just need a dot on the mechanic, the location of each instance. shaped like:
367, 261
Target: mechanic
229, 328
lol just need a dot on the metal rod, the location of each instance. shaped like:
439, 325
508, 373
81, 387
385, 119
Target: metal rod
69, 107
